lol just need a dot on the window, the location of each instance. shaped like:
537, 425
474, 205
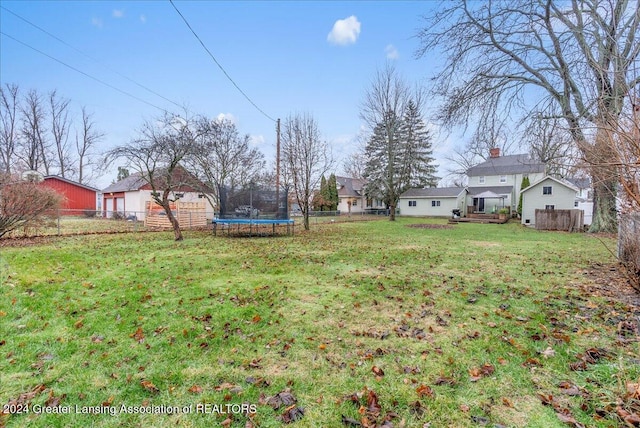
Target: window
503, 179
575, 204
355, 203
549, 207
547, 190
412, 203
369, 203
481, 179
435, 203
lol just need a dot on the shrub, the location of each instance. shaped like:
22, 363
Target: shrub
24, 203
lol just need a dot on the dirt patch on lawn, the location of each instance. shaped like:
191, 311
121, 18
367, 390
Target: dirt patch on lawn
611, 281
430, 226
25, 241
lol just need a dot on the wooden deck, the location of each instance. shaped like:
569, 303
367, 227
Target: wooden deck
487, 219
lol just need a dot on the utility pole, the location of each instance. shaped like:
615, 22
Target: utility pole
278, 168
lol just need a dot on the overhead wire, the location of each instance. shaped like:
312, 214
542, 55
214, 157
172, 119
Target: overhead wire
218, 64
84, 74
91, 58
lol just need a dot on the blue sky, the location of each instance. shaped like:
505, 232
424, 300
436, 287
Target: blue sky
288, 57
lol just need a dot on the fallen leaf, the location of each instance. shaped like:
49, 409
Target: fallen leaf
149, 386
138, 335
195, 389
373, 406
507, 402
282, 398
445, 380
424, 391
292, 413
377, 371
568, 388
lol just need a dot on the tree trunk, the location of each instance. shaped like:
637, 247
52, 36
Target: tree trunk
604, 205
392, 212
604, 178
177, 233
305, 220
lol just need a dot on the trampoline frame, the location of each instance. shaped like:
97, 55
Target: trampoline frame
229, 222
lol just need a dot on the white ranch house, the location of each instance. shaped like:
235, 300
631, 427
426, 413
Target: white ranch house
433, 201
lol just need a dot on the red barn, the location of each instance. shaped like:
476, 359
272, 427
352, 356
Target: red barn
76, 196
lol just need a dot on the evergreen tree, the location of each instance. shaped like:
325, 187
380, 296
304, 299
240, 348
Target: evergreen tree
525, 183
417, 150
383, 158
332, 193
320, 200
399, 156
122, 173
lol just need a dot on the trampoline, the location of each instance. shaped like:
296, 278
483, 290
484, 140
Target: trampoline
252, 226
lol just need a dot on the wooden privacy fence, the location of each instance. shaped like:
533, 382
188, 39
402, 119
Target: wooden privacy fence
565, 220
189, 215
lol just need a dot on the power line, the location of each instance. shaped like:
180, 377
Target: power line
218, 64
90, 57
83, 73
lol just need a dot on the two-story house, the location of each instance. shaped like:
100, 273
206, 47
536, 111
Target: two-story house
495, 183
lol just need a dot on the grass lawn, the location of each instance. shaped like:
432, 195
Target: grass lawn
352, 323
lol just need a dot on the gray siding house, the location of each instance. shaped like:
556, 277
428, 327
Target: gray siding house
495, 183
547, 193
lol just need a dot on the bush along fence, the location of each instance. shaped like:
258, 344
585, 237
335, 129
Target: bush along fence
629, 245
564, 220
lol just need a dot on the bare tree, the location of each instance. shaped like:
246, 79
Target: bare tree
354, 165
34, 150
23, 203
9, 109
508, 57
550, 143
60, 124
399, 150
157, 155
86, 140
224, 159
306, 157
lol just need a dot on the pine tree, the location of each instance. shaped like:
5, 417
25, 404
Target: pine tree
417, 150
320, 201
332, 193
383, 158
525, 183
399, 156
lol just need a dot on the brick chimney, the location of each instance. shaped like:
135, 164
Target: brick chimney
494, 153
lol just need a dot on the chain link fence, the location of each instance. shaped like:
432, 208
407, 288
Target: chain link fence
86, 222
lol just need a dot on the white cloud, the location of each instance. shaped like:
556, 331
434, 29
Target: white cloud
257, 140
345, 31
143, 19
227, 116
117, 13
97, 22
391, 52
